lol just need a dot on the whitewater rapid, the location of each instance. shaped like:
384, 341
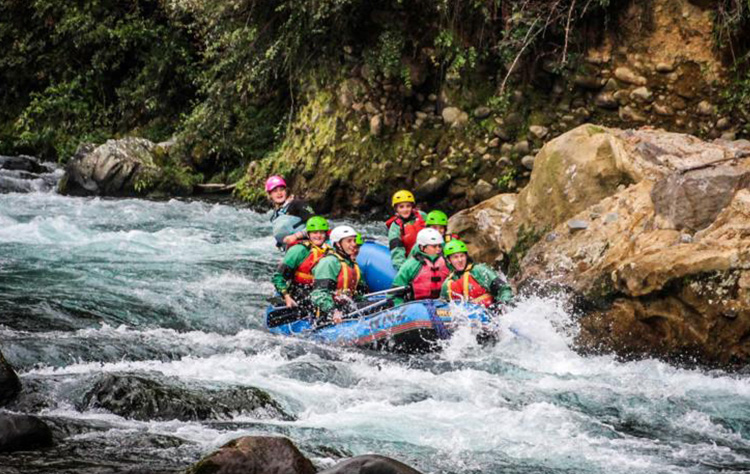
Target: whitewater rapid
175, 291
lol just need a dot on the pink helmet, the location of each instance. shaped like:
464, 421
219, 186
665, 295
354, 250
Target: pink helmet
274, 182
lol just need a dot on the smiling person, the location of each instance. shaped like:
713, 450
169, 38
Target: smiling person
403, 226
438, 220
289, 213
472, 282
338, 279
425, 269
294, 279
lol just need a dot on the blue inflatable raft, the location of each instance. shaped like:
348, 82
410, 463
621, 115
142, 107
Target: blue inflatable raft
413, 327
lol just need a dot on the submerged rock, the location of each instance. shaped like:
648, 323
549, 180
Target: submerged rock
22, 163
256, 455
23, 432
140, 398
370, 464
117, 168
10, 385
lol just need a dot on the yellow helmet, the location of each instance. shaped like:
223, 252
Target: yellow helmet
402, 196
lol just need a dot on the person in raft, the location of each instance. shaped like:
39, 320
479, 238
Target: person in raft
472, 282
403, 226
338, 280
293, 279
425, 269
438, 220
289, 213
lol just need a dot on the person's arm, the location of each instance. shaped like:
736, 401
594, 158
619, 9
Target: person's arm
326, 274
398, 251
285, 271
493, 282
404, 277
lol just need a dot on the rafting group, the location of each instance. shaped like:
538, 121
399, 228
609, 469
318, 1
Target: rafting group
334, 285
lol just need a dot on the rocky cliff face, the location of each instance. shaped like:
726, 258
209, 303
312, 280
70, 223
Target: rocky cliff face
460, 140
650, 230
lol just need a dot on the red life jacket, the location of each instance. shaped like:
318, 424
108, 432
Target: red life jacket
303, 273
408, 231
348, 279
466, 288
429, 281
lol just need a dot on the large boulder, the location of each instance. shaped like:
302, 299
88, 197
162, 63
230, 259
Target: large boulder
23, 432
657, 251
10, 385
255, 455
123, 167
141, 398
484, 227
370, 464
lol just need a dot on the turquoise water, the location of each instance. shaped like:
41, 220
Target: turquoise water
175, 292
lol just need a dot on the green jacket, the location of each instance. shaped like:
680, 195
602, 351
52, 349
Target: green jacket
283, 277
326, 274
490, 280
398, 251
409, 271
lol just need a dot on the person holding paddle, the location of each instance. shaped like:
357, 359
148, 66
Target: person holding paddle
294, 279
338, 279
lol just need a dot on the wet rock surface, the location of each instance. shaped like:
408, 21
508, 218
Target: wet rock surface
23, 432
370, 464
24, 174
138, 397
123, 167
651, 232
255, 454
10, 385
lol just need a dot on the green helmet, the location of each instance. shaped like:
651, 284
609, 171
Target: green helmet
359, 239
454, 246
437, 218
317, 224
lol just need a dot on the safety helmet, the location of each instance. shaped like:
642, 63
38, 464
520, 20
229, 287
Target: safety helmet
453, 247
342, 232
402, 196
436, 218
360, 240
317, 224
274, 182
429, 237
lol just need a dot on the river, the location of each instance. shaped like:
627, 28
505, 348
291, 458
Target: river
173, 293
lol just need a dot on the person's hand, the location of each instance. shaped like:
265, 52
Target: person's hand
337, 316
290, 303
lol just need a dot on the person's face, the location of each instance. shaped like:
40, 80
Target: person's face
318, 237
404, 209
278, 195
349, 246
439, 228
432, 249
458, 260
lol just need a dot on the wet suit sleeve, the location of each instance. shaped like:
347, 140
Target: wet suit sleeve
404, 277
301, 209
326, 274
494, 282
285, 271
398, 251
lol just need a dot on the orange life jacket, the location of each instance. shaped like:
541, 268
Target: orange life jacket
429, 281
303, 274
466, 288
348, 280
408, 231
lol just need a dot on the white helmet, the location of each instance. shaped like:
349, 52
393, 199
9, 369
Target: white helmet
429, 237
342, 232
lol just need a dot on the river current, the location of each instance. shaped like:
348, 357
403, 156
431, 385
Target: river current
174, 292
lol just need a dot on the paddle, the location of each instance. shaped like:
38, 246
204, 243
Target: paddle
397, 289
